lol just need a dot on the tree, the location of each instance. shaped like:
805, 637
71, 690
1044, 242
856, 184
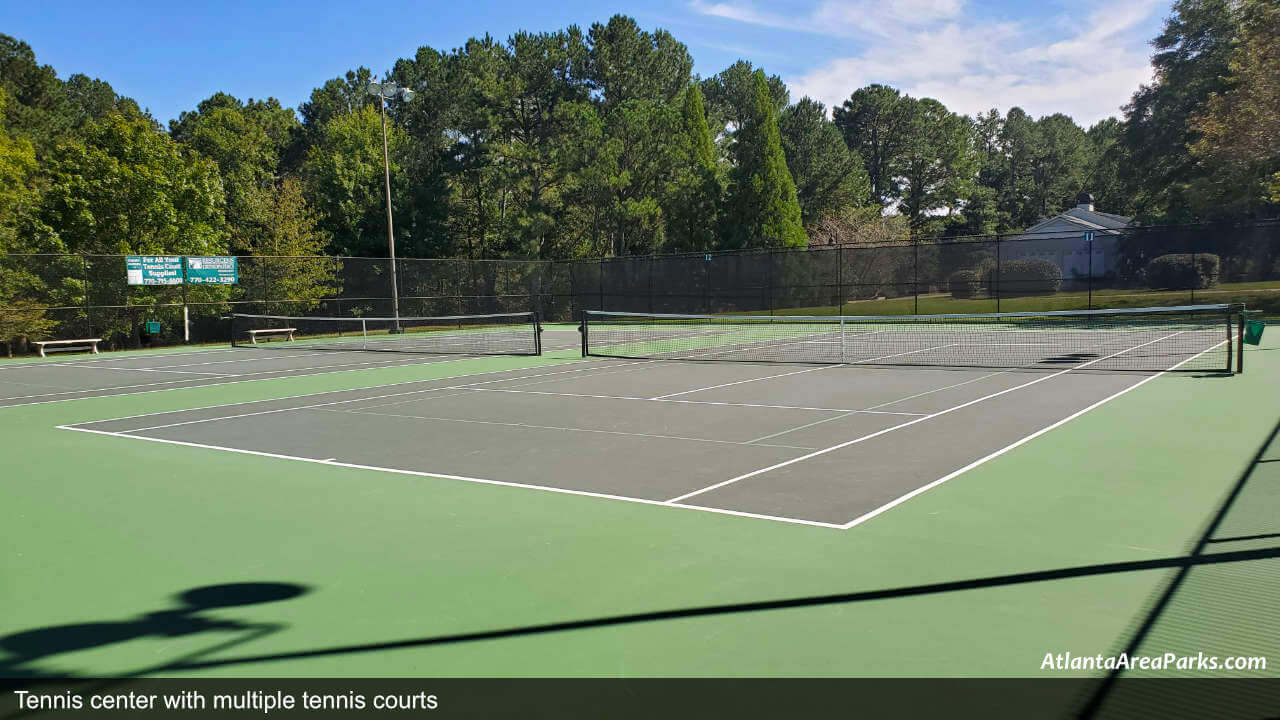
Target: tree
339, 96
1191, 63
131, 189
247, 143
762, 205
20, 288
731, 97
343, 175
286, 227
936, 162
626, 63
871, 121
37, 107
694, 194
1060, 166
828, 176
1104, 177
1239, 128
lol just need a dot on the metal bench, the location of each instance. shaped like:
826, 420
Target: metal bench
90, 343
253, 334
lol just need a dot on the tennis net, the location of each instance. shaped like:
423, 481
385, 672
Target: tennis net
500, 334
1197, 337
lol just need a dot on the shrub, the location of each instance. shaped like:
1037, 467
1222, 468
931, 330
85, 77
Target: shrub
965, 283
1025, 277
1183, 271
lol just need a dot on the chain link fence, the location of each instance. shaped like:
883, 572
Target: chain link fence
77, 296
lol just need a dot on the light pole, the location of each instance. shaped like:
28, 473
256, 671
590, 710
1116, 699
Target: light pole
385, 91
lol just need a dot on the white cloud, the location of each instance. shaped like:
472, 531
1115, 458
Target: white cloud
1087, 65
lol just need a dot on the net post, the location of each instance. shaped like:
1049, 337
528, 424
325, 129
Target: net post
582, 330
995, 280
1240, 342
842, 351
537, 334
364, 333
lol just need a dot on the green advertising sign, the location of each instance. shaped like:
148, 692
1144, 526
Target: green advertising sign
168, 270
153, 269
212, 271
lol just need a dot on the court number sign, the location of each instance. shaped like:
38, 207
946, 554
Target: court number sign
169, 270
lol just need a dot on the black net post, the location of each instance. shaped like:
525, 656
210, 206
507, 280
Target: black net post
706, 283
84, 288
1194, 273
995, 279
651, 261
915, 273
840, 280
1088, 246
1239, 342
769, 262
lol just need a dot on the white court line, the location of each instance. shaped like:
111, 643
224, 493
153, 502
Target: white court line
930, 392
909, 423
328, 392
482, 481
872, 409
924, 488
739, 382
554, 427
128, 355
218, 362
802, 427
687, 402
281, 374
131, 369
798, 372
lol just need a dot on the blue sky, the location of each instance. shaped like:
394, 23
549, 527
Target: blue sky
1084, 58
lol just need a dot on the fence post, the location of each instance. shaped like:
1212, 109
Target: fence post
915, 273
88, 316
1195, 272
840, 282
995, 280
651, 260
186, 322
1089, 248
768, 279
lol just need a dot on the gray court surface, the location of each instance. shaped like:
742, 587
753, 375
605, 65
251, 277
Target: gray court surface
826, 445
85, 376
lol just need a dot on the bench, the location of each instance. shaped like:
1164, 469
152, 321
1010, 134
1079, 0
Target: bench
253, 334
90, 343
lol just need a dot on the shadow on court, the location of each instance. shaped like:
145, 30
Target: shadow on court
26, 650
1223, 610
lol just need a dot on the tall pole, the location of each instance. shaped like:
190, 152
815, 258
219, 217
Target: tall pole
391, 233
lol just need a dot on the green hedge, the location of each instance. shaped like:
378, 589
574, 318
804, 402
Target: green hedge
1026, 277
1183, 271
965, 283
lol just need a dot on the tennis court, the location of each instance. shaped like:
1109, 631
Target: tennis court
86, 376
950, 499
829, 444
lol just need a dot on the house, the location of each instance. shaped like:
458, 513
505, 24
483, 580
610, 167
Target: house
1064, 240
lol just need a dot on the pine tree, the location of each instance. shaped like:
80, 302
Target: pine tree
762, 205
695, 190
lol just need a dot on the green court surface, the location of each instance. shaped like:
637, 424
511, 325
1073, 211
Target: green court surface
1104, 534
